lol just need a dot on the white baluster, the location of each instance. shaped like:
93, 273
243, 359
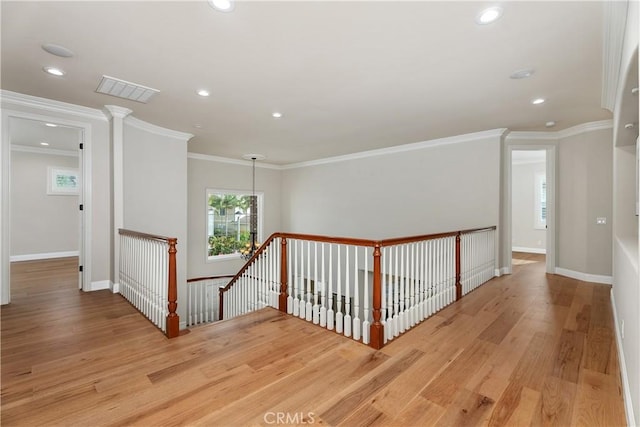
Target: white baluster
396, 296
316, 307
309, 306
296, 301
290, 290
323, 309
339, 314
403, 313
366, 332
347, 303
356, 299
330, 312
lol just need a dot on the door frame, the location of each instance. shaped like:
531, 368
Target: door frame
84, 162
551, 175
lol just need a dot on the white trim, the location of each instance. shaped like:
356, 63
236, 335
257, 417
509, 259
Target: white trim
183, 325
502, 271
38, 150
51, 105
218, 159
494, 133
572, 131
99, 285
115, 288
626, 388
529, 250
158, 130
44, 255
585, 277
615, 23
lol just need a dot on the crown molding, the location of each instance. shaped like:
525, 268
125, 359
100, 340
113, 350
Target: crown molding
158, 130
218, 159
565, 133
494, 133
14, 98
48, 151
117, 112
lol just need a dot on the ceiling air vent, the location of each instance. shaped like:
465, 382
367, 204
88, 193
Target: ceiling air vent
127, 90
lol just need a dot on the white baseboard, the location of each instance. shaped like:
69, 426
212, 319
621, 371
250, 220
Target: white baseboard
502, 271
183, 325
99, 286
626, 388
115, 288
528, 250
585, 277
45, 255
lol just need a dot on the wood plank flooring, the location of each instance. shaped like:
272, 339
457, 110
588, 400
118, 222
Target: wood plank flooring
524, 349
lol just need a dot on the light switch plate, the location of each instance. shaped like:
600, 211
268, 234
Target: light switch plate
601, 220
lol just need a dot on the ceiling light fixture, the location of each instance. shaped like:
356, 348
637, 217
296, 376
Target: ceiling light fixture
203, 92
197, 126
550, 124
522, 74
54, 71
276, 115
51, 125
489, 15
222, 5
538, 101
44, 143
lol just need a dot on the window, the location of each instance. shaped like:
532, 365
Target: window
229, 217
540, 204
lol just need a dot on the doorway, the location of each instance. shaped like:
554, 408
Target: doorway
43, 193
528, 206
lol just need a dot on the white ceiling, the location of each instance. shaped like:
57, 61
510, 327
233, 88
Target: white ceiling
348, 76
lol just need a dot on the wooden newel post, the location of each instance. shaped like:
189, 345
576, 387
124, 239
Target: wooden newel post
282, 303
377, 328
458, 273
173, 321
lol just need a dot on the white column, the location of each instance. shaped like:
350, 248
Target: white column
117, 114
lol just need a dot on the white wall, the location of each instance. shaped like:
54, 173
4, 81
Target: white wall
431, 189
41, 223
204, 174
585, 192
626, 277
155, 191
524, 234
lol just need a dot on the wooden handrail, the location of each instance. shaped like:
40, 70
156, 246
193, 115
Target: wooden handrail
199, 279
125, 232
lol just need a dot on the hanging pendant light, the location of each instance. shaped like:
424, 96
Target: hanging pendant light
253, 244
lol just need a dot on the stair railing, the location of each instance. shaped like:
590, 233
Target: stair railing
148, 278
369, 290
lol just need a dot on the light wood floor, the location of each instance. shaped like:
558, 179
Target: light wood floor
524, 349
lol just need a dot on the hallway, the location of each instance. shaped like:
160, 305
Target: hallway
524, 349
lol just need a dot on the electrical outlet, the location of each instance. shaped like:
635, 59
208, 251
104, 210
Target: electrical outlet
601, 220
622, 329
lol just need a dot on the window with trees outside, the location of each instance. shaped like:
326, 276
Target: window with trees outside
229, 222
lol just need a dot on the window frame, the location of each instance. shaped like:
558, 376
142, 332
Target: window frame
538, 222
259, 236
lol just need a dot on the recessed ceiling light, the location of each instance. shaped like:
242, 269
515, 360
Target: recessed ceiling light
276, 115
197, 126
203, 92
550, 124
537, 101
254, 156
222, 5
51, 125
522, 74
54, 71
44, 143
57, 50
489, 15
